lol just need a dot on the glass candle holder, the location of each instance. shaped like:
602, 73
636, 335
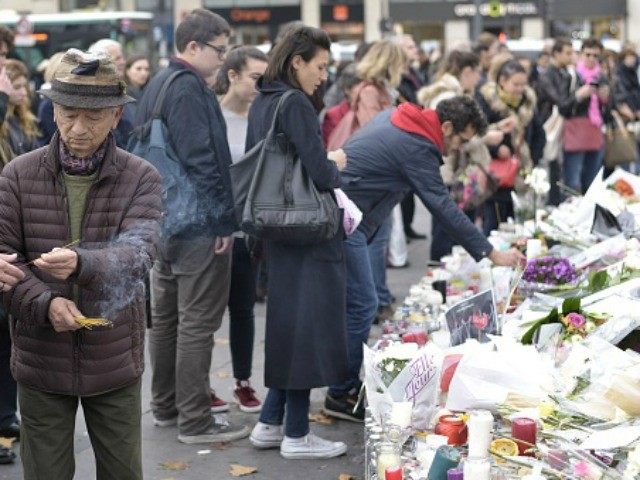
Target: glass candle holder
524, 431
387, 455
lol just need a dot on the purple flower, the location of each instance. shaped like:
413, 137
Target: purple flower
550, 270
575, 320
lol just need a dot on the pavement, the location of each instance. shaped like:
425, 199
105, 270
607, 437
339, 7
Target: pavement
213, 462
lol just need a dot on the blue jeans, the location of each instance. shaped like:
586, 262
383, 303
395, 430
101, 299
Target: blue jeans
378, 255
580, 168
297, 404
362, 305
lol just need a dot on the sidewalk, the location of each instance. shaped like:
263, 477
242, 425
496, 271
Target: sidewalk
160, 444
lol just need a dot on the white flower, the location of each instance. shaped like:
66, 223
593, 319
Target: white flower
538, 181
590, 327
632, 261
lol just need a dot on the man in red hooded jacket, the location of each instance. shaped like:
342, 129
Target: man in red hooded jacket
399, 151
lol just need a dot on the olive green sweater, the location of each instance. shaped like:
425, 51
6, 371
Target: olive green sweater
77, 187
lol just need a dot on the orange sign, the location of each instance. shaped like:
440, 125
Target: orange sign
250, 15
341, 13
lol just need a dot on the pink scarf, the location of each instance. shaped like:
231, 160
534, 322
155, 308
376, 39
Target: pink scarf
589, 75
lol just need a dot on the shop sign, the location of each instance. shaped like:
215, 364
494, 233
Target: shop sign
496, 9
245, 15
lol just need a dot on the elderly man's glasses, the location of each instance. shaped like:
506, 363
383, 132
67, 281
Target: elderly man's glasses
220, 50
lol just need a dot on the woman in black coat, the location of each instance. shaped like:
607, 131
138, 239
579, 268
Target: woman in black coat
305, 344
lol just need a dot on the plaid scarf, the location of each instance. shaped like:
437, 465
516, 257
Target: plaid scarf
74, 165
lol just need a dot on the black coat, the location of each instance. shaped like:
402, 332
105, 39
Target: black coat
198, 134
305, 344
626, 87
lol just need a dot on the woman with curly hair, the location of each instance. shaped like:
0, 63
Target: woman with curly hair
19, 133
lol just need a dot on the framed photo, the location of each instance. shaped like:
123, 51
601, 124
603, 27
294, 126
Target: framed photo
475, 317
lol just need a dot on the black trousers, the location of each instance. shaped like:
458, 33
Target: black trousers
242, 298
408, 206
8, 389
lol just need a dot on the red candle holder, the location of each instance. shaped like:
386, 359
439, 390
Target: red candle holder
524, 431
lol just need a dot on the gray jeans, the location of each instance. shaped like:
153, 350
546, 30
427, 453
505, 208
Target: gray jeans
189, 293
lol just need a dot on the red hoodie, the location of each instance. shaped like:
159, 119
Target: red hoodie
421, 121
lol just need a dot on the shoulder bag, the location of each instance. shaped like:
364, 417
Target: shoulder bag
275, 198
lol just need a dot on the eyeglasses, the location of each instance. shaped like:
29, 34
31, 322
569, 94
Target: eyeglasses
220, 50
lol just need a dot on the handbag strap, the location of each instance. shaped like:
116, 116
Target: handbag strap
157, 108
274, 121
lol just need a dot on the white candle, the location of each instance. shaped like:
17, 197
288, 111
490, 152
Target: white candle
401, 414
534, 248
386, 460
480, 427
477, 469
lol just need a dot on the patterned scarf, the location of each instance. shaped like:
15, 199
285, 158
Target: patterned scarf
74, 165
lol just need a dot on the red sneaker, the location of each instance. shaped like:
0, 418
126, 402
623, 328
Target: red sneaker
217, 404
246, 396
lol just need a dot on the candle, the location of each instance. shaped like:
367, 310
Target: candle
446, 458
388, 456
393, 473
480, 433
524, 429
534, 248
401, 414
477, 469
455, 474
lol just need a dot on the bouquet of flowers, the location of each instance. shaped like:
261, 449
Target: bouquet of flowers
576, 323
549, 273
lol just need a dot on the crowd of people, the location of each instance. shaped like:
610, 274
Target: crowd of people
86, 231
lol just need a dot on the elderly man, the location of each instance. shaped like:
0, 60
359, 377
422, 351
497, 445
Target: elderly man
82, 190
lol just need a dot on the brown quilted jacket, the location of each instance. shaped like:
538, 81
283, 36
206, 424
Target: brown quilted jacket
120, 229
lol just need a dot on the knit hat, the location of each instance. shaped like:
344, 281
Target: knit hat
87, 80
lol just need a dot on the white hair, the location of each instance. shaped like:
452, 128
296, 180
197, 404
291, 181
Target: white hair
103, 45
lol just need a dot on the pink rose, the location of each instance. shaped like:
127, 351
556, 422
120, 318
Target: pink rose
576, 320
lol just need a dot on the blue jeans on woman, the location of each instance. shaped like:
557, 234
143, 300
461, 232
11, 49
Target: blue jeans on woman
581, 168
296, 403
362, 305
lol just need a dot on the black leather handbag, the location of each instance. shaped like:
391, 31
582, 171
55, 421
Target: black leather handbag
275, 199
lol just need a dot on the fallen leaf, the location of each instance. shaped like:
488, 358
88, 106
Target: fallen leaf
221, 445
320, 418
174, 465
346, 476
222, 341
6, 442
241, 470
223, 375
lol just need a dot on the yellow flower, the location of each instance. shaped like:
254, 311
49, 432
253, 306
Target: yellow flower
545, 409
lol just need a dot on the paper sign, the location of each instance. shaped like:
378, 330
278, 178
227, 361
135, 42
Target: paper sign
475, 317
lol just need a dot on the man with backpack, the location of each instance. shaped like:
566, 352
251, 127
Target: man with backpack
190, 280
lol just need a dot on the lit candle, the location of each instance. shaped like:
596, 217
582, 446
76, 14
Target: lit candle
401, 414
477, 469
480, 434
525, 430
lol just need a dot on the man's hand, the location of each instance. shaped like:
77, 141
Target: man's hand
603, 93
510, 258
585, 91
63, 314
59, 262
222, 245
9, 275
339, 157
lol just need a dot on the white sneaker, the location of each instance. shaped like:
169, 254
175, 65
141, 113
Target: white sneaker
266, 436
169, 422
310, 447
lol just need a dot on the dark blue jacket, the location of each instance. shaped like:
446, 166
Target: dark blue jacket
384, 163
198, 134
